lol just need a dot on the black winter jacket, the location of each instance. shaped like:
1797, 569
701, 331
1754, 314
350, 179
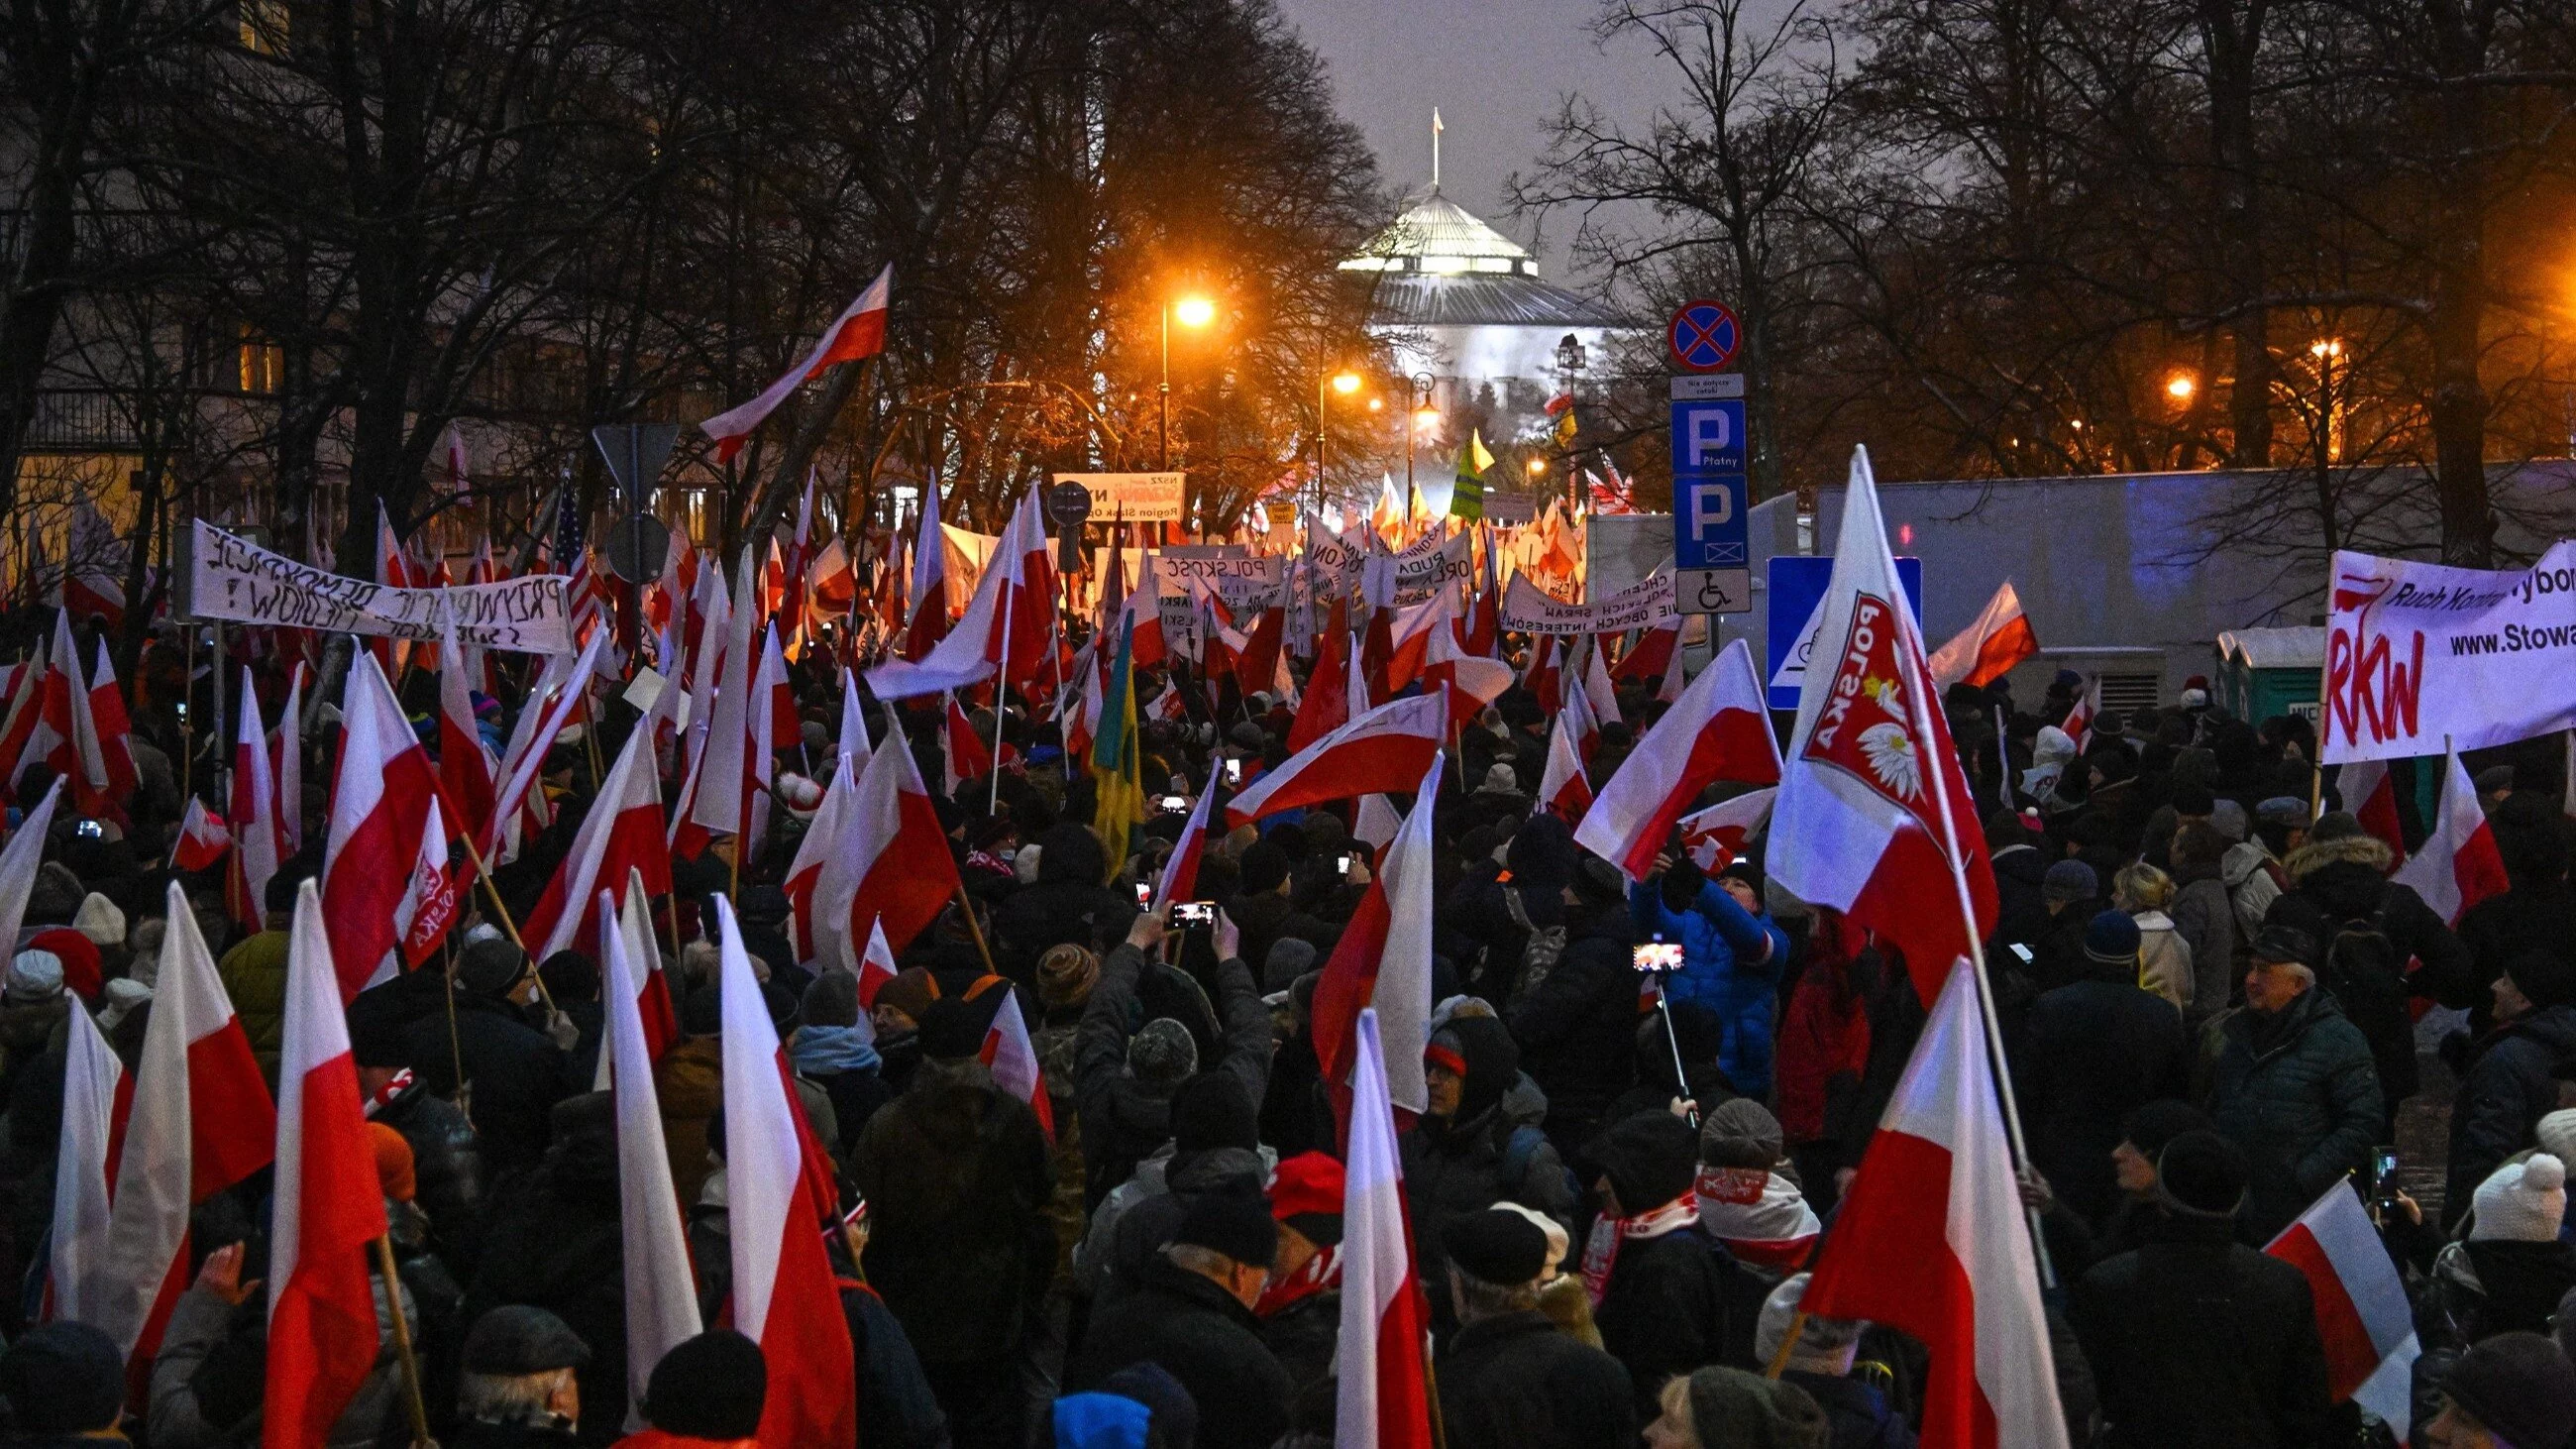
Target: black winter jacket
1067, 903
1518, 1382
2297, 1094
1124, 1120
2506, 1091
2198, 1340
2089, 1055
1202, 1336
1577, 1026
2336, 885
1674, 1304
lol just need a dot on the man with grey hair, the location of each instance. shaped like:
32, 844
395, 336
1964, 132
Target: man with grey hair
2293, 1085
517, 1387
1510, 1376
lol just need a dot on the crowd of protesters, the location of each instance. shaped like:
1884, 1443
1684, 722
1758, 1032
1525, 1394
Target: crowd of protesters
2214, 999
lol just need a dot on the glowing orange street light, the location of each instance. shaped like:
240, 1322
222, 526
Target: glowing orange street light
2181, 386
1194, 311
1537, 467
1346, 383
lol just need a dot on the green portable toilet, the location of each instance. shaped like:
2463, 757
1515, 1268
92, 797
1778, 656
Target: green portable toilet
2264, 672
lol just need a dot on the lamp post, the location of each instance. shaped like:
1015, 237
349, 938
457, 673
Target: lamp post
1569, 362
1420, 415
1344, 382
1194, 311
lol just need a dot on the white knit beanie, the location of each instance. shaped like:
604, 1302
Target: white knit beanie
100, 920
2522, 1202
2556, 1134
1825, 1345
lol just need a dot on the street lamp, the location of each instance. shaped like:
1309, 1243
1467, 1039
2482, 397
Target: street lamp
1193, 311
2180, 387
2325, 350
1537, 466
1424, 416
1344, 382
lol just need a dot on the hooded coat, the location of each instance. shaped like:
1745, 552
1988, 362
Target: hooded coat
1480, 1156
1576, 1022
2341, 886
1070, 902
2507, 1089
2296, 1092
1123, 1119
1516, 1381
1731, 963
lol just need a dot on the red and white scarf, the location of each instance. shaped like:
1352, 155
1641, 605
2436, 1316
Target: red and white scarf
1759, 1215
1322, 1271
1601, 1250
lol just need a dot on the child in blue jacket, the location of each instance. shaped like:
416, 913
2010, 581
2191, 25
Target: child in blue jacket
1732, 956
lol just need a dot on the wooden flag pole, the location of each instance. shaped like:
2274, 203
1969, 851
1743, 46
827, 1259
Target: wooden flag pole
412, 1403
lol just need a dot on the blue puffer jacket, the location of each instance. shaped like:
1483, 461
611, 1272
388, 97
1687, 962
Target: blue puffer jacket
1731, 962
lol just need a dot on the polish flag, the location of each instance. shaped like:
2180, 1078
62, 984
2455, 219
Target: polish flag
792, 595
2079, 720
321, 1298
964, 754
661, 1287
1013, 1059
2362, 1311
254, 817
1259, 666
1006, 625
2371, 796
201, 1122
823, 837
1484, 626
902, 872
724, 764
854, 719
1598, 691
653, 988
858, 332
1409, 634
1931, 1238
1654, 653
1181, 871
430, 897
1471, 681
1676, 676
927, 602
115, 731
95, 1097
66, 735
619, 838
464, 768
2458, 866
20, 860
1380, 1399
1383, 960
772, 727
18, 723
1565, 788
379, 801
1384, 749
876, 966
202, 839
783, 1296
1874, 818
286, 767
1987, 649
1714, 838
1544, 677
393, 570
1720, 729
550, 705
1327, 705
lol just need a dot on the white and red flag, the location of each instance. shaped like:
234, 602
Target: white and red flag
1985, 651
1597, 687
2079, 720
726, 765
1720, 729
257, 839
1007, 624
1181, 871
379, 801
901, 872
1931, 1239
18, 723
1380, 1398
465, 768
619, 840
1013, 1059
322, 1340
784, 1298
661, 1288
1544, 675
1715, 838
1383, 960
858, 332
114, 730
20, 860
1384, 749
963, 753
1327, 705
2371, 796
876, 966
1471, 681
2362, 1312
66, 734
430, 897
202, 839
1874, 816
95, 1094
1564, 788
2458, 866
926, 600
560, 693
823, 837
201, 1122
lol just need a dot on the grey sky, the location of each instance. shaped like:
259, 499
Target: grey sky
1495, 68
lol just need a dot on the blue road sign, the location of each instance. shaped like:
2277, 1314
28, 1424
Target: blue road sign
1796, 608
1703, 336
1708, 436
1710, 529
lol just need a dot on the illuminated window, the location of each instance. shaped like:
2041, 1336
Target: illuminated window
263, 364
263, 26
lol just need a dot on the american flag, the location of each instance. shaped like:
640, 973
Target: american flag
583, 591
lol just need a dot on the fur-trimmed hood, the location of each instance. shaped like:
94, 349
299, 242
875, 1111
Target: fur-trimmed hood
2368, 850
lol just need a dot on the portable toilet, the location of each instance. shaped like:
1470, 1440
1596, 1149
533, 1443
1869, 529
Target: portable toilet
2267, 672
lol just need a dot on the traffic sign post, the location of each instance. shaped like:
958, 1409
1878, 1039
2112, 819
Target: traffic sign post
1712, 561
1703, 336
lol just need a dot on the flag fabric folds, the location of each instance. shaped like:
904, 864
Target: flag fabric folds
1999, 638
2362, 1311
1718, 730
1384, 749
2458, 865
1381, 1400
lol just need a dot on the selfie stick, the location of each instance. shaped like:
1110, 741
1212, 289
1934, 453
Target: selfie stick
1681, 1076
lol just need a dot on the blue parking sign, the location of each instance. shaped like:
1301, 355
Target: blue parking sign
1708, 436
1710, 526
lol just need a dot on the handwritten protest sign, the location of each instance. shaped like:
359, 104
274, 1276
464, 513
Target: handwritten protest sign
233, 579
1528, 609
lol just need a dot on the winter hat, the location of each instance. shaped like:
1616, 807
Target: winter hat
2285, 946
1557, 1239
2200, 1175
1306, 1194
2227, 817
1162, 1053
34, 976
56, 896
1290, 957
712, 1386
2522, 1202
1212, 1110
1732, 1409
519, 1338
2556, 1134
122, 996
2070, 880
2154, 1125
1262, 868
2283, 810
100, 920
1501, 780
2519, 1386
2111, 939
2545, 978
1066, 974
1101, 1421
1543, 854
2336, 825
1236, 1224
2494, 778
1650, 1159
393, 1162
1173, 1414
1494, 1246
490, 968
1024, 866
2195, 698
952, 1029
63, 1378
911, 992
1487, 1059
1740, 1132
1825, 1345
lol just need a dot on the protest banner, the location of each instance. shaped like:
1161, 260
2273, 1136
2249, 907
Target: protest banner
1130, 497
1431, 564
1337, 557
230, 578
2418, 654
1529, 609
1247, 583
